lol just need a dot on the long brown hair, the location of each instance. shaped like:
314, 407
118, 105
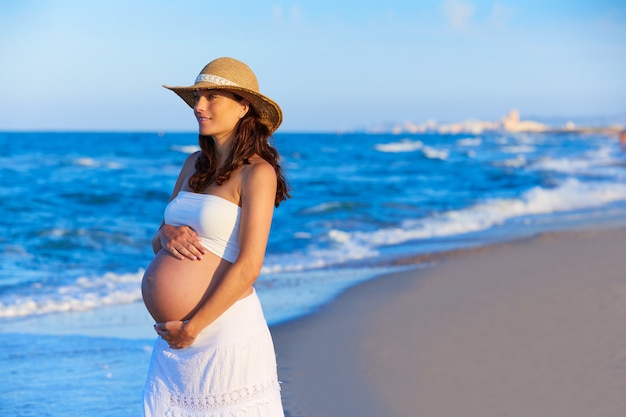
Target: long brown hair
251, 138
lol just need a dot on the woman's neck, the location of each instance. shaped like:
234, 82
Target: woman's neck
222, 150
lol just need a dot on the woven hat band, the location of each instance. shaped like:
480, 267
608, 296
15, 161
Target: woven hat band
215, 79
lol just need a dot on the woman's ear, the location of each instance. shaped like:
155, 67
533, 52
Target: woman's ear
245, 106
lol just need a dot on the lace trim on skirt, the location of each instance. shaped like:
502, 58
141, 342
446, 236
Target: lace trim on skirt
243, 398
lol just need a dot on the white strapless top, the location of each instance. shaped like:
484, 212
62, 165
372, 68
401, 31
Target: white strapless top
215, 220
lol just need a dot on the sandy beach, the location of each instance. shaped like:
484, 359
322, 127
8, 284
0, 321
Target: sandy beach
526, 329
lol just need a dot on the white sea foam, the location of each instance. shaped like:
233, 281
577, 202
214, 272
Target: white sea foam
84, 294
188, 149
562, 165
324, 207
501, 140
432, 153
598, 160
571, 195
529, 139
343, 250
405, 145
518, 149
92, 163
517, 162
603, 153
113, 165
86, 162
469, 142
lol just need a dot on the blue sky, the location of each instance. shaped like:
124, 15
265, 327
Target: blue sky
331, 65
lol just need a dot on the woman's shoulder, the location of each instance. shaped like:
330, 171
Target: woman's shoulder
192, 157
190, 162
257, 164
258, 170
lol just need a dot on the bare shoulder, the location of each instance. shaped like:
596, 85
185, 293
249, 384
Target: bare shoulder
189, 167
259, 173
191, 160
259, 167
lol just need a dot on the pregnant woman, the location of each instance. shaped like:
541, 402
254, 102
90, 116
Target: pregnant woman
214, 355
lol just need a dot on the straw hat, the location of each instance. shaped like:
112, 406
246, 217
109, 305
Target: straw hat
234, 76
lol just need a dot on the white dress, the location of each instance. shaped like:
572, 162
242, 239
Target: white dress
229, 370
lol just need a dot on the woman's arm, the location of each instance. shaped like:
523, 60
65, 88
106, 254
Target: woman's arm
258, 192
181, 241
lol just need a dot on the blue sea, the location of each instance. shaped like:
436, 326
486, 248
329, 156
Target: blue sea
78, 211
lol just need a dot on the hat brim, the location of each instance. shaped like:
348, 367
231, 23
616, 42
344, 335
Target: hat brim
268, 110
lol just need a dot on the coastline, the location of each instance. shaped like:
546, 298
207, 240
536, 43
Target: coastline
530, 327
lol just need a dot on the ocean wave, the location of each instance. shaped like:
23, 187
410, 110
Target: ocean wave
432, 153
518, 149
517, 162
330, 207
86, 162
324, 207
86, 293
469, 142
188, 149
343, 250
598, 160
348, 246
405, 145
564, 165
501, 140
93, 163
571, 195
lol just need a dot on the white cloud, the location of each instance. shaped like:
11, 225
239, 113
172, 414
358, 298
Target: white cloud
278, 14
500, 15
458, 13
296, 15
292, 16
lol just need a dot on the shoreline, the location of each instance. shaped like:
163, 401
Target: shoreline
531, 325
132, 321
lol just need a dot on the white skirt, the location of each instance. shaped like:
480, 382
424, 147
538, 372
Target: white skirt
229, 370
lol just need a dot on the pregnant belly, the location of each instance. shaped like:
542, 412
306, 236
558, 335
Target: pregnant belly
173, 289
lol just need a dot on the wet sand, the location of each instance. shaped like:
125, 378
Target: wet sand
530, 328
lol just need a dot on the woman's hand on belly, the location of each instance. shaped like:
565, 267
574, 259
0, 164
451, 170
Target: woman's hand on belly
176, 334
173, 289
181, 241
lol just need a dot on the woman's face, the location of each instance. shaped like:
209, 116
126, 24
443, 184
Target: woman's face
218, 112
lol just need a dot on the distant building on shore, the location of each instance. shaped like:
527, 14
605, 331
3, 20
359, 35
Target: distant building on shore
512, 123
509, 123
